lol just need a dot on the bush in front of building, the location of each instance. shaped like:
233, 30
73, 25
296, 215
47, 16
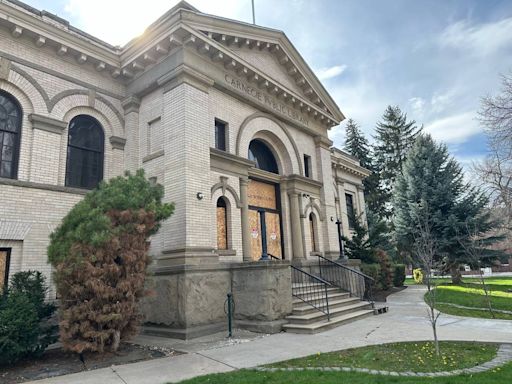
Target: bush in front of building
100, 256
372, 270
25, 327
386, 273
398, 275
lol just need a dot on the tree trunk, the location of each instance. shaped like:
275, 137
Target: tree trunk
455, 274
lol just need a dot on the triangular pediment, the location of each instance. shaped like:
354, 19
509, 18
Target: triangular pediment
268, 62
264, 57
272, 53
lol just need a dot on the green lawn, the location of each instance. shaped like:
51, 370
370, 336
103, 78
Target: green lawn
471, 294
498, 376
397, 356
401, 357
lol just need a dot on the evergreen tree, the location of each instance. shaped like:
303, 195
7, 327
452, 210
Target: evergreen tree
100, 256
394, 137
357, 145
432, 189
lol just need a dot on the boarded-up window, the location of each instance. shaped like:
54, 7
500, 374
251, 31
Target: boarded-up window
5, 255
222, 224
312, 229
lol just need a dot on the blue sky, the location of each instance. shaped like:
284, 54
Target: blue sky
435, 59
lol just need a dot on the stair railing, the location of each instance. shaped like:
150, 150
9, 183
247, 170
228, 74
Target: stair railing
346, 278
311, 289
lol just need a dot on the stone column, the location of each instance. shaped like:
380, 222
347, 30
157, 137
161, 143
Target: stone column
298, 250
244, 212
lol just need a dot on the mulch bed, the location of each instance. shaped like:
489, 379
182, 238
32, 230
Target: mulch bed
57, 362
380, 296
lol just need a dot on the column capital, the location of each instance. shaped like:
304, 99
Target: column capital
244, 181
323, 142
131, 104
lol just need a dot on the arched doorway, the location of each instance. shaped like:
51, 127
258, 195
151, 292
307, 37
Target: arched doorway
264, 205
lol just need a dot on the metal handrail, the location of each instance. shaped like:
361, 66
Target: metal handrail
344, 266
307, 289
351, 280
273, 257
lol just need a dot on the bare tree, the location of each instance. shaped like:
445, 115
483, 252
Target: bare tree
496, 116
426, 251
496, 170
475, 253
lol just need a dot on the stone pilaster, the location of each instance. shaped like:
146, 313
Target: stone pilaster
297, 244
131, 107
244, 211
330, 232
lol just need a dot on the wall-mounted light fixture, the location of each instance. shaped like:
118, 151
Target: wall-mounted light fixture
199, 195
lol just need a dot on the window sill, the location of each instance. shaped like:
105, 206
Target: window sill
226, 252
153, 156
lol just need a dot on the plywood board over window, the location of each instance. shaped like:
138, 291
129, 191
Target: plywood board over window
5, 255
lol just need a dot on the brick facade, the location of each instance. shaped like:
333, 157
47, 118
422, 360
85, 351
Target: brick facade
156, 100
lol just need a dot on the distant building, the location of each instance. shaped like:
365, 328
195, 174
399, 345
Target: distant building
227, 116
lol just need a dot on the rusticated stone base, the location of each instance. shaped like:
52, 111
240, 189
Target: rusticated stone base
189, 300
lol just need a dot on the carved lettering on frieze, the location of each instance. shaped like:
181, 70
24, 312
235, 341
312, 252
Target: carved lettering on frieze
265, 99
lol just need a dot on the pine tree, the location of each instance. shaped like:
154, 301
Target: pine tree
100, 256
395, 136
357, 145
432, 188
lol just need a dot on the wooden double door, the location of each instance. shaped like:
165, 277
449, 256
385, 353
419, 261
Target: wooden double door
264, 219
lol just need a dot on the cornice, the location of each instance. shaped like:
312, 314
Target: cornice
60, 36
349, 166
184, 74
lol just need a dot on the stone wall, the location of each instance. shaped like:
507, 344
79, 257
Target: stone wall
190, 301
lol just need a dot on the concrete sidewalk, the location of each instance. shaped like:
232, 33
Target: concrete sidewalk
406, 321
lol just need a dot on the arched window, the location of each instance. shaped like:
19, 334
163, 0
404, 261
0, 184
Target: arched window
222, 223
84, 168
312, 229
10, 131
263, 156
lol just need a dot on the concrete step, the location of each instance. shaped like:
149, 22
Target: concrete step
310, 318
315, 290
319, 296
296, 285
302, 308
324, 325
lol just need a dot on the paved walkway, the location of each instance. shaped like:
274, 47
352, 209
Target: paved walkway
406, 321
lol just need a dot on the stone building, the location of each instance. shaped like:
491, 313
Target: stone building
227, 116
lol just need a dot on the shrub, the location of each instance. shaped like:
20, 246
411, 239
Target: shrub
100, 257
417, 274
25, 329
398, 275
386, 273
372, 270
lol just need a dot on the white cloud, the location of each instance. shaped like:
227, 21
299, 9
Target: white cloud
417, 105
482, 38
330, 72
454, 129
119, 21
